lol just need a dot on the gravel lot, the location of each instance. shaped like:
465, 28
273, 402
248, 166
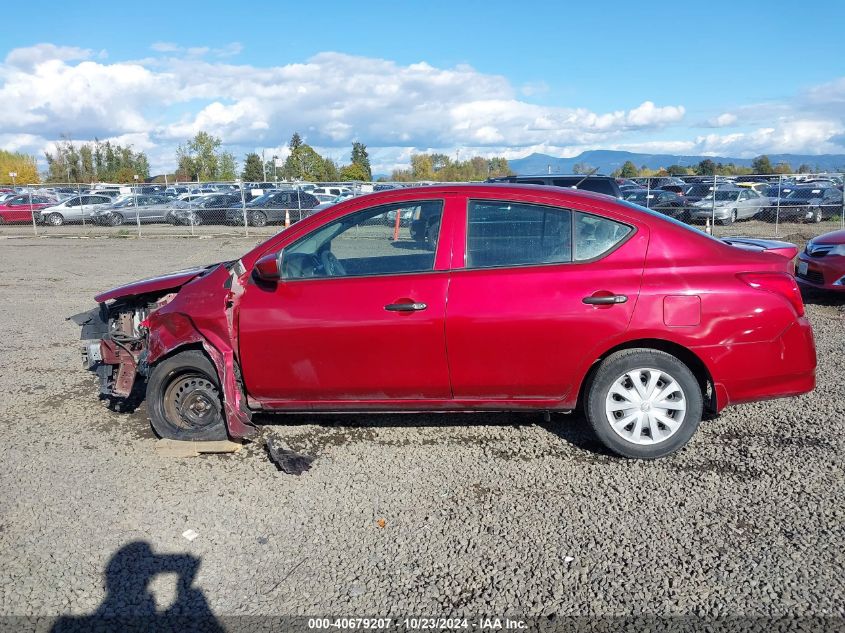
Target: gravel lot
482, 514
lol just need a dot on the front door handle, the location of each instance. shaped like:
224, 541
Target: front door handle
405, 307
601, 300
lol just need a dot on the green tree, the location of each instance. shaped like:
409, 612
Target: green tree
253, 171
202, 154
706, 168
295, 141
805, 169
582, 168
629, 170
762, 165
783, 168
676, 169
354, 171
95, 161
361, 158
304, 163
227, 168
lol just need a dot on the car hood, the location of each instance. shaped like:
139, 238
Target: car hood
170, 281
837, 237
709, 203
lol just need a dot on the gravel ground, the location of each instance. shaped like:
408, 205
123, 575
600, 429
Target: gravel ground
426, 515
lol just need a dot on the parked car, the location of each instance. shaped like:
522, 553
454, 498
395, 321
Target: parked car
75, 209
656, 182
150, 208
730, 205
666, 202
557, 299
808, 204
821, 264
273, 208
209, 209
596, 183
331, 190
24, 207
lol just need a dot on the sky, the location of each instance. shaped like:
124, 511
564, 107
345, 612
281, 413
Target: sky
464, 78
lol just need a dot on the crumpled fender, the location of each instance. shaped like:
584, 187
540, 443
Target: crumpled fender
168, 331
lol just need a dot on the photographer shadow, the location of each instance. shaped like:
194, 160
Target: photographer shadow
129, 604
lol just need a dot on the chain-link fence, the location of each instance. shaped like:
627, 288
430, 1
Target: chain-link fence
789, 206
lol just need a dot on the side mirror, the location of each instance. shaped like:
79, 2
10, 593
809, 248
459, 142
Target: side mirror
269, 267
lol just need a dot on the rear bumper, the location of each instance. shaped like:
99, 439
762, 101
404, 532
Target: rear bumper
785, 366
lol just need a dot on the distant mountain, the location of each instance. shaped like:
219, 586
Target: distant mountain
609, 160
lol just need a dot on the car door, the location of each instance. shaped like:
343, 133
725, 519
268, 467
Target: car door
541, 289
356, 321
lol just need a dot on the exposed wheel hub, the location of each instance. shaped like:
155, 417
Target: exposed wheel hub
192, 401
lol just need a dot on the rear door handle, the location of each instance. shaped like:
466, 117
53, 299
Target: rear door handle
405, 307
604, 299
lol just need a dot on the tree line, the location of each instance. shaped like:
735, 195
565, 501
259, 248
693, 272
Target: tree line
760, 165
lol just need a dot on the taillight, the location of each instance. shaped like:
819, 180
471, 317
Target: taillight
779, 283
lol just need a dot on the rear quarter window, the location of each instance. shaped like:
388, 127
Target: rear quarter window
596, 236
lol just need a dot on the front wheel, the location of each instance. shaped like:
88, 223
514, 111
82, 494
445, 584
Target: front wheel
258, 218
115, 219
55, 219
817, 215
183, 398
643, 403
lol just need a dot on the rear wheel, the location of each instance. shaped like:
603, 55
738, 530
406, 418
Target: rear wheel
115, 219
817, 215
643, 403
55, 219
183, 397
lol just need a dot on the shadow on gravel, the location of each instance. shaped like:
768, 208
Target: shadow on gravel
129, 604
342, 429
820, 298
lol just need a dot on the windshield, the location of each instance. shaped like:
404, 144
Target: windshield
804, 194
724, 196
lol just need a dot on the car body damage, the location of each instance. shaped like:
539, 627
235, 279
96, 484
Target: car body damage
139, 324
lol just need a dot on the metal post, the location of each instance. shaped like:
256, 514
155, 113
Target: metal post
264, 165
842, 215
713, 206
79, 193
34, 228
243, 210
777, 205
647, 191
137, 211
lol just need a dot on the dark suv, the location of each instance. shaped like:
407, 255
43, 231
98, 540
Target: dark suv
596, 183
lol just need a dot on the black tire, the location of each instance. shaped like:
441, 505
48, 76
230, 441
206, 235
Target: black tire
183, 399
730, 219
616, 367
258, 218
817, 215
115, 219
55, 219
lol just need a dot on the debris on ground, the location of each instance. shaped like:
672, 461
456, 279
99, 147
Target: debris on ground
286, 459
177, 448
381, 523
190, 534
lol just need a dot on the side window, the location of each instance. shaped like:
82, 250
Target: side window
363, 244
75, 202
517, 234
595, 236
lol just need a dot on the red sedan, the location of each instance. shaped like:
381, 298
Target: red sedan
822, 262
20, 208
509, 297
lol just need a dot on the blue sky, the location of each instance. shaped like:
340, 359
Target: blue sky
734, 78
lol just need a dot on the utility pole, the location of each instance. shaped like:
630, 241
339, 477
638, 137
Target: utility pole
13, 175
264, 165
275, 177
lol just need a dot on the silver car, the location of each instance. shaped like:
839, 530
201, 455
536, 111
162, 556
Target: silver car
150, 208
75, 209
729, 206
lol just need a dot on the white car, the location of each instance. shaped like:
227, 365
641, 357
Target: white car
333, 191
74, 209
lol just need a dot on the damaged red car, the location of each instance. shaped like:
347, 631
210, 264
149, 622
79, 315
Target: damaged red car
474, 297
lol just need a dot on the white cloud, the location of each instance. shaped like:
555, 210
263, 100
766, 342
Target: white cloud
723, 120
333, 98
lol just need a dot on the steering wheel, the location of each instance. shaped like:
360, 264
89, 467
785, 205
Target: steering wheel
331, 265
